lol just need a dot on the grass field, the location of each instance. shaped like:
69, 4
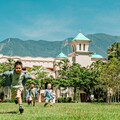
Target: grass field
61, 111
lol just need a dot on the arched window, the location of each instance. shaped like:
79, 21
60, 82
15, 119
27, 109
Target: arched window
72, 48
79, 46
84, 47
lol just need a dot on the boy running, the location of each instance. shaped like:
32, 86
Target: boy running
17, 79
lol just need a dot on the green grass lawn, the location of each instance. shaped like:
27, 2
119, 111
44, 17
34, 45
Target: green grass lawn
61, 111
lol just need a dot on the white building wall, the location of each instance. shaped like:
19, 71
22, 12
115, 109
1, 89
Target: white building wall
3, 60
83, 60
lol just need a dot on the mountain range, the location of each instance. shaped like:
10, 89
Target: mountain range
42, 48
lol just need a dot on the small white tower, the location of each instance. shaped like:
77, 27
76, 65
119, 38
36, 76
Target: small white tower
80, 54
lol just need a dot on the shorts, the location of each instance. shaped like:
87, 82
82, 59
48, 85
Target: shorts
16, 93
50, 101
19, 92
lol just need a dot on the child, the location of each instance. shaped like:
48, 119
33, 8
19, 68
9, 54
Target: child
48, 96
17, 79
31, 94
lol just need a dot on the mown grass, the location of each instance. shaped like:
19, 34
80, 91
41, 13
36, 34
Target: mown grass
61, 111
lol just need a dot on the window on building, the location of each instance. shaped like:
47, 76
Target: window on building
79, 46
84, 47
74, 48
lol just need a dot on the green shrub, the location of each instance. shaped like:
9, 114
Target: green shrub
2, 95
24, 100
95, 100
60, 99
9, 100
64, 99
70, 99
100, 100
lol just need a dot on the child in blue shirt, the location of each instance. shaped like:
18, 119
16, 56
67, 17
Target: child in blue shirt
49, 96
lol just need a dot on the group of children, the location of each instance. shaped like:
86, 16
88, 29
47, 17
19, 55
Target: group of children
17, 78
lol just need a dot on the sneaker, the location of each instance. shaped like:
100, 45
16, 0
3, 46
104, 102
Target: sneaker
21, 110
45, 105
16, 101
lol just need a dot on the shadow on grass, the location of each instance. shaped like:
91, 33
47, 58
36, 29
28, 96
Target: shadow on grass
12, 112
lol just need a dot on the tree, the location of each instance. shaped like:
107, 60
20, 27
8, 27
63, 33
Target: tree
110, 77
5, 66
113, 51
41, 77
95, 86
73, 76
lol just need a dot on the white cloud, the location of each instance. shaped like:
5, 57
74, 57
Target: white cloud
45, 28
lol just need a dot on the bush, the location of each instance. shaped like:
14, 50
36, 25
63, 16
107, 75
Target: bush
60, 99
70, 99
95, 100
24, 100
64, 99
9, 100
2, 95
100, 100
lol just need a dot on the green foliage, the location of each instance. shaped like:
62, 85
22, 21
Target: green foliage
64, 99
41, 75
2, 95
100, 100
73, 76
10, 100
95, 100
24, 100
113, 51
60, 99
9, 64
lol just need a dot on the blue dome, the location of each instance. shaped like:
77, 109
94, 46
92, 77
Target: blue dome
62, 55
80, 36
96, 56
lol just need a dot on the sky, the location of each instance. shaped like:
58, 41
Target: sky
56, 20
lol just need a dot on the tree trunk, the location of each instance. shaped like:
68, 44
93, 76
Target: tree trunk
39, 99
118, 94
75, 94
115, 99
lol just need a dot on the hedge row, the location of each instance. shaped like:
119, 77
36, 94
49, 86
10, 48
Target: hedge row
64, 99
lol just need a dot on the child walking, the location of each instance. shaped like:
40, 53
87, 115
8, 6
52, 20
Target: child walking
49, 96
31, 94
17, 79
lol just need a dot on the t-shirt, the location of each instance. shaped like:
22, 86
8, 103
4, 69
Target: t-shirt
48, 94
32, 92
16, 80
